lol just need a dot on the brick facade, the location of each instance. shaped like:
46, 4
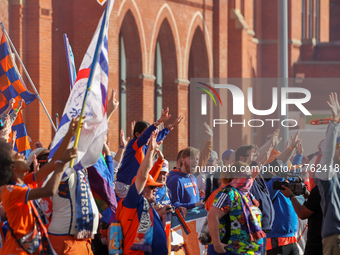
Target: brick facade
197, 38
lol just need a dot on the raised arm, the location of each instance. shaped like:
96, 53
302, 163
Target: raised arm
287, 153
328, 145
145, 167
112, 104
53, 183
143, 139
8, 109
272, 142
49, 167
123, 143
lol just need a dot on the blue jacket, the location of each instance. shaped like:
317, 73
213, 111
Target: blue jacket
261, 193
135, 153
184, 191
286, 221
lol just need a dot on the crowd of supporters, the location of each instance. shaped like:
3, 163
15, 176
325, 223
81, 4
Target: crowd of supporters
250, 211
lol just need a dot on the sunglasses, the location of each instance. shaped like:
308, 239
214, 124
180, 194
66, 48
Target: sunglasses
152, 187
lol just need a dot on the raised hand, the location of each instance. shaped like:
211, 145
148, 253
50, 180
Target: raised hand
153, 145
38, 145
73, 126
35, 163
209, 131
160, 154
275, 138
267, 154
11, 103
254, 153
20, 103
295, 140
177, 121
333, 103
133, 124
112, 103
124, 142
69, 154
299, 147
164, 116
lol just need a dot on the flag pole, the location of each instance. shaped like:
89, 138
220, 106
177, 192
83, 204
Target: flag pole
28, 76
89, 82
68, 60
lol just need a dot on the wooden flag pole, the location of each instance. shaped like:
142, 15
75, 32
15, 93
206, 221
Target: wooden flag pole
28, 76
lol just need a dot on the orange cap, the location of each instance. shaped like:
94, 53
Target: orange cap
149, 182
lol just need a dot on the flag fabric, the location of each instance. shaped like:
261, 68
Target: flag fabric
95, 124
12, 86
101, 181
92, 135
71, 66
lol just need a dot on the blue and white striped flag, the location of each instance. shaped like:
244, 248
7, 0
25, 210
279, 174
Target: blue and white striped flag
95, 124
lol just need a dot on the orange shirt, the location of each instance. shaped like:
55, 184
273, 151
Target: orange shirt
19, 214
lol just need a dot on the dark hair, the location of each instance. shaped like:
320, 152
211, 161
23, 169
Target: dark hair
139, 127
179, 155
241, 151
6, 161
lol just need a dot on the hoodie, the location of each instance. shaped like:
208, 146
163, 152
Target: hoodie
183, 188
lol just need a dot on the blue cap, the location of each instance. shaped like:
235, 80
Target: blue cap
338, 140
227, 153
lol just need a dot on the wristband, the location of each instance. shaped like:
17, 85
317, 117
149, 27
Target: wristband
336, 120
122, 147
16, 109
58, 162
156, 123
290, 147
170, 127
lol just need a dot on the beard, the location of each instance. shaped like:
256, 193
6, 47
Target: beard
188, 168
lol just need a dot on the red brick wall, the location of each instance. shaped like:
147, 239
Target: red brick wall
218, 47
4, 13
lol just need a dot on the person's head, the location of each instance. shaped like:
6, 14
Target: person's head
19, 163
6, 162
150, 189
336, 157
179, 156
228, 157
213, 159
164, 172
139, 129
243, 153
189, 160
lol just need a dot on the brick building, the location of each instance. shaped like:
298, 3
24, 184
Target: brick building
156, 46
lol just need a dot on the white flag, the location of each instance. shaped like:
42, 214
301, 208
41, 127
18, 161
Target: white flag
95, 124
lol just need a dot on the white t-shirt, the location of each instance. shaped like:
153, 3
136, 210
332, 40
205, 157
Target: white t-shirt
64, 220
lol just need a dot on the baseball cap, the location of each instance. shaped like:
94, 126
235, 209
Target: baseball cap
150, 182
227, 153
165, 166
213, 155
38, 152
